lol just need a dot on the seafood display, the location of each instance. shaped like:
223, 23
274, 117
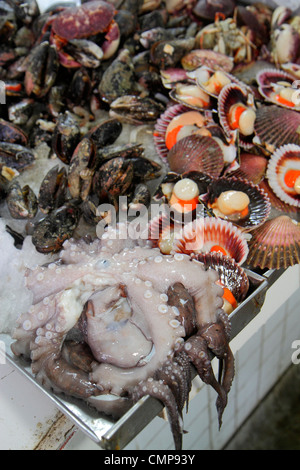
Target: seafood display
127, 303
181, 117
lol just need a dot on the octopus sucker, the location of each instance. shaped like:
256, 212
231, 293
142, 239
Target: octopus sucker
119, 321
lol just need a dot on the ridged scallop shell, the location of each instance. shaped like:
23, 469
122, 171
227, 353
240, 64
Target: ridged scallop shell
276, 203
161, 126
232, 275
252, 168
286, 157
259, 207
202, 234
267, 80
230, 95
275, 126
275, 245
197, 153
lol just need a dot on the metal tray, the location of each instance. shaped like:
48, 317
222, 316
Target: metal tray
116, 434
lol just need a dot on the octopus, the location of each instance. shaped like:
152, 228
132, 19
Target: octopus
113, 317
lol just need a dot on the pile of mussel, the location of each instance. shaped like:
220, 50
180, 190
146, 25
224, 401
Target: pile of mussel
216, 86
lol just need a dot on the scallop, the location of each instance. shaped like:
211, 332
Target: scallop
283, 174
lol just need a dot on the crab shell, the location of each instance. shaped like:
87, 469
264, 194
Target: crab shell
259, 207
284, 160
86, 20
269, 83
229, 96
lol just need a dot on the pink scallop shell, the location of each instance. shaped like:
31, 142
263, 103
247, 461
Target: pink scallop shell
259, 207
200, 235
229, 95
160, 128
159, 134
275, 126
275, 245
266, 77
197, 153
275, 172
231, 274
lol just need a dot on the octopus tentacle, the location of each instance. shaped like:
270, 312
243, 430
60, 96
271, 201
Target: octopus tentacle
184, 362
173, 375
162, 392
199, 354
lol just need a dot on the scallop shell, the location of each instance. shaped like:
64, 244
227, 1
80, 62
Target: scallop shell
197, 153
275, 245
201, 235
259, 207
252, 168
230, 95
161, 126
267, 80
212, 59
286, 157
179, 94
276, 203
200, 82
231, 274
275, 126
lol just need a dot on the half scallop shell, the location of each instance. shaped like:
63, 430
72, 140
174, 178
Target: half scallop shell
229, 96
232, 276
275, 245
284, 159
275, 126
171, 115
259, 206
271, 81
197, 153
206, 235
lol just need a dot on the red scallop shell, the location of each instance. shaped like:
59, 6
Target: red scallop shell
230, 95
277, 165
197, 153
266, 78
259, 207
232, 275
202, 234
160, 129
275, 126
275, 245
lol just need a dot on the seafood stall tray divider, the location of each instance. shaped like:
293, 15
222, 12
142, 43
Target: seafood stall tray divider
110, 434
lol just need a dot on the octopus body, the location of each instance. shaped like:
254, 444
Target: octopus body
116, 318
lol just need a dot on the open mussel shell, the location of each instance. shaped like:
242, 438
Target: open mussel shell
235, 95
206, 235
275, 245
283, 174
232, 276
197, 153
259, 206
176, 122
275, 126
276, 86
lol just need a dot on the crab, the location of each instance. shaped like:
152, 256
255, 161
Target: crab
72, 30
224, 36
